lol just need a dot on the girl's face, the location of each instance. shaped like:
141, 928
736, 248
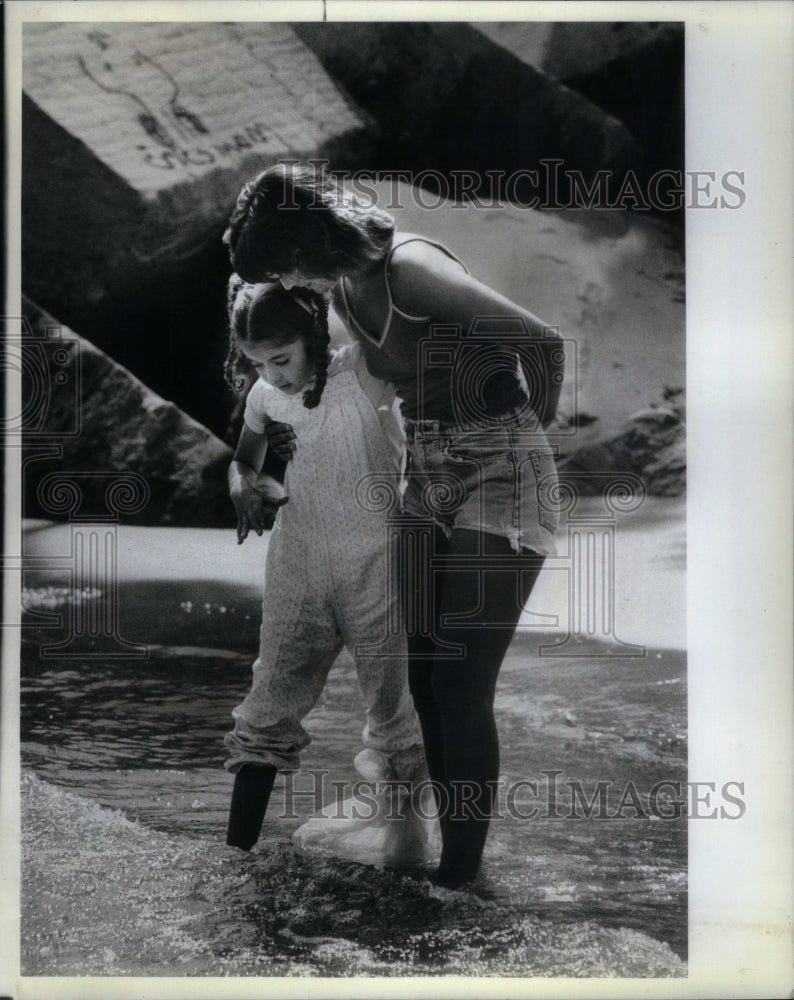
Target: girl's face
286, 368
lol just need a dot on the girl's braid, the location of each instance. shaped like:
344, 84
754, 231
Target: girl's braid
321, 342
233, 288
237, 369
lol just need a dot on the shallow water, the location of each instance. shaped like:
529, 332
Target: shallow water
105, 896
145, 737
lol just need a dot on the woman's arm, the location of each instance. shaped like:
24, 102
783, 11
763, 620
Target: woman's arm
254, 500
424, 281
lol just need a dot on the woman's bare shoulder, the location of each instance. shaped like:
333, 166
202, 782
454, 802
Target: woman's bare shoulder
426, 281
418, 266
412, 249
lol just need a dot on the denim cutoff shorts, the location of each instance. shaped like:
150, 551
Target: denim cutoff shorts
499, 478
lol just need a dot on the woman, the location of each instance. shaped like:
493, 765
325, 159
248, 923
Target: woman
479, 378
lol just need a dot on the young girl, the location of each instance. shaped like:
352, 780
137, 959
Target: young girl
326, 581
479, 378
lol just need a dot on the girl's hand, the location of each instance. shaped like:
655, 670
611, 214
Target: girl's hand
281, 438
256, 505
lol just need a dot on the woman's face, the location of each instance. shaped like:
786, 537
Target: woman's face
286, 368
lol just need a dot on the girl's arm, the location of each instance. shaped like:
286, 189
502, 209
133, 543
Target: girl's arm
424, 281
255, 501
249, 455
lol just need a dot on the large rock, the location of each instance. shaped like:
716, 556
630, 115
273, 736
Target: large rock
446, 98
96, 424
651, 445
633, 70
565, 49
528, 40
138, 136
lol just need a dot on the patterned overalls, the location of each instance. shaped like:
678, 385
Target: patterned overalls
327, 573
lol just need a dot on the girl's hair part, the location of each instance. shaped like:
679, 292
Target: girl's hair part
297, 218
272, 314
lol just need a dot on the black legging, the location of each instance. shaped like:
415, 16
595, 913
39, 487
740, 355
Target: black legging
454, 697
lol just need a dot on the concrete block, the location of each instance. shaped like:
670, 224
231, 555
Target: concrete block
137, 138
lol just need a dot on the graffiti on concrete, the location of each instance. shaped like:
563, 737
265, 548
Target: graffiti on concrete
154, 94
132, 73
248, 138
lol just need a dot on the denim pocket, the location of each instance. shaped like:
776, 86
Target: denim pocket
479, 447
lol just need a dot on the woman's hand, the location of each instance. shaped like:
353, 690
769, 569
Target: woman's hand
281, 438
256, 502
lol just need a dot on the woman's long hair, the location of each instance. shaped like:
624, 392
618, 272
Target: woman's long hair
271, 314
296, 218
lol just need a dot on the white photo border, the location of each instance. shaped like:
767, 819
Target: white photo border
739, 366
